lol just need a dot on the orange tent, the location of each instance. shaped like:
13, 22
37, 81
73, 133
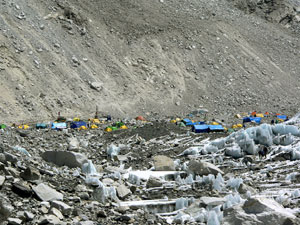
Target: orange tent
140, 118
253, 113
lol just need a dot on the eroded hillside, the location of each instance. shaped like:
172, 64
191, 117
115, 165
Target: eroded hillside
136, 56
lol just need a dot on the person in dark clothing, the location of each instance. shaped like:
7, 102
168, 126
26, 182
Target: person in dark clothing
272, 122
263, 151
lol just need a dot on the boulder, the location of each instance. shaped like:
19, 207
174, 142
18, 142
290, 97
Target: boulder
65, 158
123, 191
14, 221
268, 211
73, 144
211, 201
244, 188
22, 190
154, 182
46, 193
30, 174
236, 216
203, 168
5, 208
48, 219
163, 163
63, 207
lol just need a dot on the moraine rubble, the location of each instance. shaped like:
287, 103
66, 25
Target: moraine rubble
157, 173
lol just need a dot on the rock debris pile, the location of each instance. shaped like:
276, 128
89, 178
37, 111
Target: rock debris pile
157, 173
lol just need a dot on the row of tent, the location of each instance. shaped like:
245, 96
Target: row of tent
201, 127
207, 128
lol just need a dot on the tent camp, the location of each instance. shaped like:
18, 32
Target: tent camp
252, 119
216, 128
58, 126
200, 129
75, 125
282, 117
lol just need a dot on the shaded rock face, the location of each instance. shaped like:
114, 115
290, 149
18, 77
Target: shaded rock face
65, 158
277, 11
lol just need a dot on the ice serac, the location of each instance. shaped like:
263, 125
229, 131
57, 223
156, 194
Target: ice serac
46, 193
65, 158
203, 168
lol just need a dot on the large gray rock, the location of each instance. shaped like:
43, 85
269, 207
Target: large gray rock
73, 144
123, 191
49, 219
5, 208
154, 182
46, 193
63, 207
65, 158
203, 168
236, 216
163, 163
211, 201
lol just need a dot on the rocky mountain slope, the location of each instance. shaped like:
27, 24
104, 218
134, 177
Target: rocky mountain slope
139, 56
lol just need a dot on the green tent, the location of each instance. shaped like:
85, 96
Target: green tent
114, 128
2, 126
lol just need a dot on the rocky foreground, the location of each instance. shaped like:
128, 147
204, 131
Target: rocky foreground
152, 173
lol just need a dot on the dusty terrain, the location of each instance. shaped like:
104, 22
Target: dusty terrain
157, 57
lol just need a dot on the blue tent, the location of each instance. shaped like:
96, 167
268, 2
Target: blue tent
255, 119
246, 120
58, 126
78, 124
282, 117
200, 129
41, 126
186, 120
216, 128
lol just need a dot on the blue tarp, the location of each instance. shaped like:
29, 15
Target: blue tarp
216, 128
200, 129
255, 119
194, 123
78, 124
282, 117
186, 121
58, 126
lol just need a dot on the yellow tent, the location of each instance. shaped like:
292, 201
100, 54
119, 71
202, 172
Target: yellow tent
239, 125
124, 127
108, 129
260, 115
94, 126
83, 128
234, 126
76, 119
97, 121
178, 119
173, 121
214, 123
23, 127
